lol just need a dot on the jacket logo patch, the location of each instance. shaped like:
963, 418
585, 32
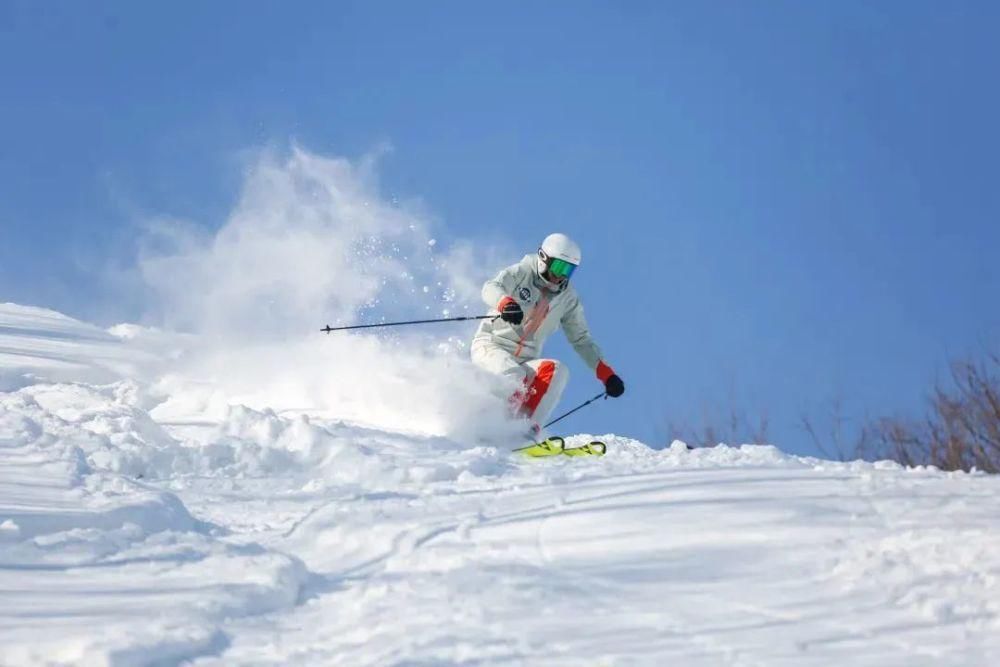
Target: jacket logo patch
524, 293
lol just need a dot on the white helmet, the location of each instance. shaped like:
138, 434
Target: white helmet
558, 258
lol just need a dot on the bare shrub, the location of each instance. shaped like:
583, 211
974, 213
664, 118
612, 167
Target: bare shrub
735, 428
961, 430
831, 434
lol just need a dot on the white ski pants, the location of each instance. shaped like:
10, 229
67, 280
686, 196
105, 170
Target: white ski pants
540, 382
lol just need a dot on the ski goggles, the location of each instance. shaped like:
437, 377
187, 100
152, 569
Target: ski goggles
560, 268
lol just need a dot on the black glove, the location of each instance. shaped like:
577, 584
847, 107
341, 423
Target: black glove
510, 311
614, 386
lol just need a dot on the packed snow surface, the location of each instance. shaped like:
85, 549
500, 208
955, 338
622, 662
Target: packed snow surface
152, 516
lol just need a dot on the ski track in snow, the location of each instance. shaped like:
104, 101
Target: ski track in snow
132, 534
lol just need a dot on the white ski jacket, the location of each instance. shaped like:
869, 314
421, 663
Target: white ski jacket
545, 310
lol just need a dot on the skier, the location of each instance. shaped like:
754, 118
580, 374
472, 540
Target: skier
533, 298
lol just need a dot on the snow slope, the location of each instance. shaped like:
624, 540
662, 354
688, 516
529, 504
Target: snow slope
146, 518
44, 343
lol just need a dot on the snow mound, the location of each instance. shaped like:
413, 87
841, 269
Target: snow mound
84, 550
110, 430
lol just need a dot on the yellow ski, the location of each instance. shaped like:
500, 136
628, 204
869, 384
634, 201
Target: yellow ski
595, 448
555, 446
549, 447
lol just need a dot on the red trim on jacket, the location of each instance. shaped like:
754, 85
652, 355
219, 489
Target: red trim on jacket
604, 371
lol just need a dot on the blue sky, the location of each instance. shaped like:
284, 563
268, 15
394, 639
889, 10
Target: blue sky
779, 202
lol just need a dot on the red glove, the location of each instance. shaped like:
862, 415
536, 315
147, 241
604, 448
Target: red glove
612, 383
510, 310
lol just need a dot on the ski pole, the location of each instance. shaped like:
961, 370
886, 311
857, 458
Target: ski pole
579, 407
328, 328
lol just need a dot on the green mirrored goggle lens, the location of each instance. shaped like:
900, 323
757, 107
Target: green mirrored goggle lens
560, 268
